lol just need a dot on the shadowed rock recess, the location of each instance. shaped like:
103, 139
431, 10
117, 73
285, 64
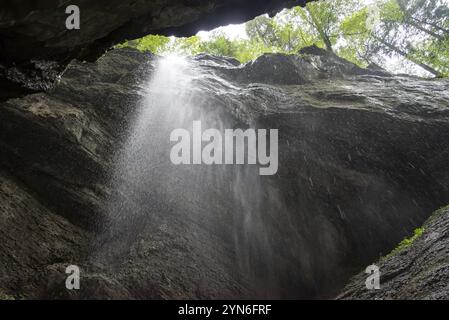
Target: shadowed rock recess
35, 45
362, 162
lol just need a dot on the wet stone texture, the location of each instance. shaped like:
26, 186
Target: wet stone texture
418, 271
362, 162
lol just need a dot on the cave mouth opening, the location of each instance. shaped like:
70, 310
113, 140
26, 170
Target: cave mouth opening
401, 37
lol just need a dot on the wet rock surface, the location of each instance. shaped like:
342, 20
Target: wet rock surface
418, 271
362, 162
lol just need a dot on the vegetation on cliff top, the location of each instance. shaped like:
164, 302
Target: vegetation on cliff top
407, 241
418, 232
414, 33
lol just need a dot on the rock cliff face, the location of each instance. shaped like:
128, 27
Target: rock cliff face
417, 271
362, 162
35, 45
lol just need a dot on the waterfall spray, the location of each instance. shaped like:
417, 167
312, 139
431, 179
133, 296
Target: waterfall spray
184, 200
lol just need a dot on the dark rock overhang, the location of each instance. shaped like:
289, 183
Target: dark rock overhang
35, 45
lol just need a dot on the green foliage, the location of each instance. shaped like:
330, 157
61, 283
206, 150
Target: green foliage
355, 24
188, 46
413, 30
264, 30
350, 53
323, 20
408, 241
436, 54
220, 45
153, 43
391, 11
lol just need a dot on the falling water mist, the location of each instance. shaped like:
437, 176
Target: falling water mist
213, 210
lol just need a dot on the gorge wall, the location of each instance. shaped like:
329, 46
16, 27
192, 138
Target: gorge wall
362, 162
